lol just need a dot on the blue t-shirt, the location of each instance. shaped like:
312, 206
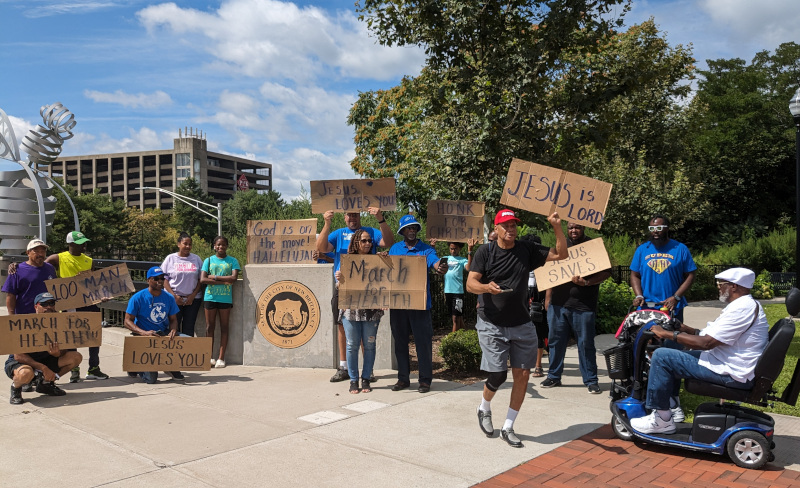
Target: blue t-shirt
26, 283
220, 267
340, 239
419, 249
151, 312
662, 270
454, 278
321, 260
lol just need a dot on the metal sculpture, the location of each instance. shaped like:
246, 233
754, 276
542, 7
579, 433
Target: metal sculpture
27, 203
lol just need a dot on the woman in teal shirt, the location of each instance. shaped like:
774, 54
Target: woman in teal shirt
219, 273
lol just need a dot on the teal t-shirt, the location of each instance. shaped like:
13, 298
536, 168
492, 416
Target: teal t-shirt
454, 278
220, 267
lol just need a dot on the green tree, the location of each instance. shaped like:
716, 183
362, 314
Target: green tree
250, 205
190, 220
743, 140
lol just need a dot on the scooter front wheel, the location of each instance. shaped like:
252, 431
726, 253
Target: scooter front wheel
620, 430
749, 449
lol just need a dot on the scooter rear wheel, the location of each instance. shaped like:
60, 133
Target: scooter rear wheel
620, 430
749, 449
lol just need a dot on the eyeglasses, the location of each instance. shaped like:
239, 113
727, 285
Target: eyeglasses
365, 241
720, 283
50, 303
658, 228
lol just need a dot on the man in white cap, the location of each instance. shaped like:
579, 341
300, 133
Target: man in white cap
22, 286
724, 353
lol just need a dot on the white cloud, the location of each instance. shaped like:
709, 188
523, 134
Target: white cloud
296, 168
47, 9
139, 100
270, 38
143, 139
745, 22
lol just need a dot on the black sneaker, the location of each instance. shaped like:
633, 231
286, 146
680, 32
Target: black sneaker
510, 437
550, 382
49, 388
595, 389
16, 396
176, 375
75, 375
95, 374
37, 377
485, 422
340, 375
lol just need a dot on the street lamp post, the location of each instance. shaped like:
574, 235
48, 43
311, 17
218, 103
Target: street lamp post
794, 108
193, 203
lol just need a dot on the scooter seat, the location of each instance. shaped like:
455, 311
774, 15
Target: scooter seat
768, 367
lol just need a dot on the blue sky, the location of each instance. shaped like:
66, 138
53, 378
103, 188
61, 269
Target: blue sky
265, 79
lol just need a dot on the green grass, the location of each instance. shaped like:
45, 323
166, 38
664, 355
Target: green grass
774, 313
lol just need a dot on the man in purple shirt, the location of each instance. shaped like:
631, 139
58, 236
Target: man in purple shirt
22, 287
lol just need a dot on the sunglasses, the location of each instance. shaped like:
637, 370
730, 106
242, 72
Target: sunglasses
50, 303
658, 228
159, 278
365, 241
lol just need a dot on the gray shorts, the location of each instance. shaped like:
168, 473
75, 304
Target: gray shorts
498, 343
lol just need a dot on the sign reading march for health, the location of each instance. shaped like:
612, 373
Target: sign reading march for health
584, 260
544, 190
373, 281
281, 241
345, 196
34, 332
455, 220
89, 288
146, 353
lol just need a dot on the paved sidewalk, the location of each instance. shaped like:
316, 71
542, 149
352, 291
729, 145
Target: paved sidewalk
264, 426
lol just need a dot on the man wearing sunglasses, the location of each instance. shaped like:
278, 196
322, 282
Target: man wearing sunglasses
153, 312
338, 242
662, 269
724, 353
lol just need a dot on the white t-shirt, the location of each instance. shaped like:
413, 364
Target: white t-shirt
741, 346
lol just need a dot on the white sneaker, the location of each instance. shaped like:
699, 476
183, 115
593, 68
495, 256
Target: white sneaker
677, 414
220, 364
213, 362
652, 424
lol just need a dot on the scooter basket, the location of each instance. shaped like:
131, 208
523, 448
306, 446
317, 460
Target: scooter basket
619, 361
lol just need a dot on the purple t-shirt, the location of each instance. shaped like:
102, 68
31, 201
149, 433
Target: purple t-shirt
183, 273
26, 283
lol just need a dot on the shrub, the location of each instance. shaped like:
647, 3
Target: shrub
461, 350
762, 288
704, 286
613, 305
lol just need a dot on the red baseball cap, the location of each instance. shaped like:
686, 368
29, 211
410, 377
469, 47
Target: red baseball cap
504, 216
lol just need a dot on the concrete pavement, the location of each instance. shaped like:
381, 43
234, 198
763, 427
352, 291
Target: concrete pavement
291, 427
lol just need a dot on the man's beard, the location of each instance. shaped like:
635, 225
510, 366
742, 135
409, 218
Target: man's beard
664, 238
723, 297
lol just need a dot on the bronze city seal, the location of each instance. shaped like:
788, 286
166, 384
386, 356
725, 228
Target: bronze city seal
288, 314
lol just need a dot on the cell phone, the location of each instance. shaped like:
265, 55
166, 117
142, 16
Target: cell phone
507, 290
443, 261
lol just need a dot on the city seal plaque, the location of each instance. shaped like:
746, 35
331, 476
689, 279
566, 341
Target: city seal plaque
288, 314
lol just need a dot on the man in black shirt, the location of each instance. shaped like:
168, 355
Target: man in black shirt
499, 276
572, 306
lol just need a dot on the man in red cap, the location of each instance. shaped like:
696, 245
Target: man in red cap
499, 276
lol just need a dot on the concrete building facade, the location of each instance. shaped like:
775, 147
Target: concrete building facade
120, 174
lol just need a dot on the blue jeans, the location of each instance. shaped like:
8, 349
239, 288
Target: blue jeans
355, 331
419, 323
187, 316
562, 320
668, 366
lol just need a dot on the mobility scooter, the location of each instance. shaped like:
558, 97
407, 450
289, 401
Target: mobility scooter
745, 434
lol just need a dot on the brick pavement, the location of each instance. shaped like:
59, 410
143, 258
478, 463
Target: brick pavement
600, 459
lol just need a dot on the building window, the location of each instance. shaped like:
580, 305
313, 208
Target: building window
183, 160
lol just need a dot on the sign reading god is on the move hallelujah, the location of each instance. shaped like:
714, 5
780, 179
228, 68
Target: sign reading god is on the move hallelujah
35, 332
544, 190
584, 260
89, 288
142, 354
455, 220
281, 241
346, 196
373, 281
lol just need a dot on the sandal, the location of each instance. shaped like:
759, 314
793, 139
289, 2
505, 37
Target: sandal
365, 386
537, 372
354, 387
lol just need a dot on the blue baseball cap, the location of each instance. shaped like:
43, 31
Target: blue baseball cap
155, 271
43, 297
407, 220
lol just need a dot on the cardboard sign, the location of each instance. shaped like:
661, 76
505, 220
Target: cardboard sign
344, 196
34, 332
143, 354
281, 241
544, 190
455, 220
89, 288
373, 281
584, 260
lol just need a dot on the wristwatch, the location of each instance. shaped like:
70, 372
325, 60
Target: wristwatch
676, 297
675, 335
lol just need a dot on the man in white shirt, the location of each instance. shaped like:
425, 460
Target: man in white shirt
724, 353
